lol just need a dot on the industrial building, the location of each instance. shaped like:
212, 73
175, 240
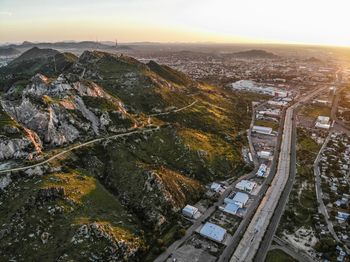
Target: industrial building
216, 187
264, 154
277, 103
240, 199
189, 211
251, 86
270, 112
262, 130
323, 122
262, 170
213, 232
231, 208
246, 185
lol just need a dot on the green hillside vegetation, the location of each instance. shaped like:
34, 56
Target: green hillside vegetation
277, 255
170, 74
85, 201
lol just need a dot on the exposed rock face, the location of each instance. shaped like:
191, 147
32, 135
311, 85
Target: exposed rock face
4, 182
116, 250
88, 114
55, 111
14, 148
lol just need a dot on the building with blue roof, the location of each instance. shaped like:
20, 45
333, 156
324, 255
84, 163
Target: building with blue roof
213, 232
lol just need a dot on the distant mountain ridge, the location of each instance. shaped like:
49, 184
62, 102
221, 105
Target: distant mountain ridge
68, 45
254, 53
8, 51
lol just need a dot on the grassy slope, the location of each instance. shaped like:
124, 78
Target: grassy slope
86, 202
278, 256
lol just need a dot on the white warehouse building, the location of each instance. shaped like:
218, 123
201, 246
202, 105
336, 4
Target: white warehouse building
189, 211
246, 185
262, 130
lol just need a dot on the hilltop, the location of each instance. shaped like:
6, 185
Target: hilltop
35, 60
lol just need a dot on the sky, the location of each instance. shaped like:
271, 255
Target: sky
323, 22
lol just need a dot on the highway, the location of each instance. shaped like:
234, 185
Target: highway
255, 232
228, 251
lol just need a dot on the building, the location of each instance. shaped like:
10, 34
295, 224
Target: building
342, 217
216, 187
231, 208
240, 199
281, 93
270, 112
323, 122
264, 154
189, 211
213, 232
246, 185
262, 170
277, 103
262, 130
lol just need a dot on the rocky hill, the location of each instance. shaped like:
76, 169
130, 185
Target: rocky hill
146, 140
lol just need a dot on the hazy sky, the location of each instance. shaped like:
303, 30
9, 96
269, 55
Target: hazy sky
296, 21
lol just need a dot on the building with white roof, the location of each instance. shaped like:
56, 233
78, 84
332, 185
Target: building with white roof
240, 199
262, 130
264, 154
216, 187
246, 185
323, 122
213, 232
189, 211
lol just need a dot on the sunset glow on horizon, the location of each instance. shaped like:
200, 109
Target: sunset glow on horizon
223, 21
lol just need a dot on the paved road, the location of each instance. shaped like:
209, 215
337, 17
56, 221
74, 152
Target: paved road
270, 232
228, 251
252, 238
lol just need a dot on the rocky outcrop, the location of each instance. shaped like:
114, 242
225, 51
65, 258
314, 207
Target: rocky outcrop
5, 181
116, 249
17, 148
88, 114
